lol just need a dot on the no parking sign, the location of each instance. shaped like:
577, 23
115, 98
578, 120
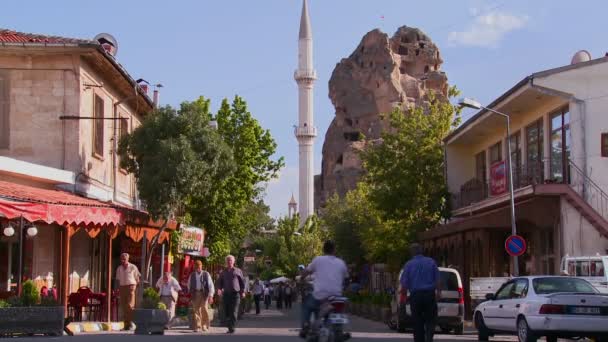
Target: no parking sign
515, 245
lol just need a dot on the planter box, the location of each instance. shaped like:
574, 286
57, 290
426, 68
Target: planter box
150, 321
47, 320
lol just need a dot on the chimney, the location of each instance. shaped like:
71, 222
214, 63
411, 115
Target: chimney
155, 98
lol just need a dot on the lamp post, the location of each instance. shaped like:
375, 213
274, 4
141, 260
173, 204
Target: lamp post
470, 103
31, 232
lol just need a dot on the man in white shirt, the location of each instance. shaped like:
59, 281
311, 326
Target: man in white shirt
201, 289
329, 274
168, 288
128, 276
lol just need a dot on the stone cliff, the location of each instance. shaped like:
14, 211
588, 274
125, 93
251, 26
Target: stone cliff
381, 74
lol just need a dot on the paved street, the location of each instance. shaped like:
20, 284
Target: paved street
270, 326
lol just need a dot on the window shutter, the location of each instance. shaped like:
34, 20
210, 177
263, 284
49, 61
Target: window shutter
98, 125
604, 145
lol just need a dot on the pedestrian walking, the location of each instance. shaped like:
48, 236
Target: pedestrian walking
421, 278
279, 295
231, 286
258, 293
168, 288
128, 277
288, 296
267, 297
201, 289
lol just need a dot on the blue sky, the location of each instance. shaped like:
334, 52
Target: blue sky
219, 48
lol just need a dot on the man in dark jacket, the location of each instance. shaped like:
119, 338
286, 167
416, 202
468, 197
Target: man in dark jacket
231, 286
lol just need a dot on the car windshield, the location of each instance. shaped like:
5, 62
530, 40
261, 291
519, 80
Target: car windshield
449, 281
561, 284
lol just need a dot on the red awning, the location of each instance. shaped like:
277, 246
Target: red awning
61, 214
66, 208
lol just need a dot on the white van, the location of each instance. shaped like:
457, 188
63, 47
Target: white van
450, 307
591, 268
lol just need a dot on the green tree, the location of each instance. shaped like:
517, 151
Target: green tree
227, 215
176, 159
291, 245
405, 174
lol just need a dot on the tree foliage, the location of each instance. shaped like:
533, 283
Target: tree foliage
176, 158
405, 174
290, 246
403, 191
228, 215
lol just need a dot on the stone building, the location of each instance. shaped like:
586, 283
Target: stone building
382, 73
64, 103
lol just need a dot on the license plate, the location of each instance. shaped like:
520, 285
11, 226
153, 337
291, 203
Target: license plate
338, 319
582, 310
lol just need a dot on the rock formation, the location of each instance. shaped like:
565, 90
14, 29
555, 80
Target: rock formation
381, 74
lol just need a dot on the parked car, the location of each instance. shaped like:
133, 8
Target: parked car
590, 268
550, 306
450, 307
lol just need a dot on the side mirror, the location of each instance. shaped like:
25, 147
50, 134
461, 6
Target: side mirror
490, 296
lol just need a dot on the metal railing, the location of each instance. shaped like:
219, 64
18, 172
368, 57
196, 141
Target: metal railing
589, 191
475, 190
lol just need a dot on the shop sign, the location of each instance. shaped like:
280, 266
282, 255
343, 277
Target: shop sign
192, 241
249, 259
498, 178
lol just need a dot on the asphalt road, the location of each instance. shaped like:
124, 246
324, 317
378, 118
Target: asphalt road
269, 326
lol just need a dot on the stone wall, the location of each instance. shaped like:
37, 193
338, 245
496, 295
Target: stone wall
382, 73
41, 88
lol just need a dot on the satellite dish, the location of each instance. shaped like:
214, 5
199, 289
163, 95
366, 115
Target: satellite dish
108, 42
581, 56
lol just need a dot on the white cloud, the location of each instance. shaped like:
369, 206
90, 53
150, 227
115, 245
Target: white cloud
278, 191
488, 29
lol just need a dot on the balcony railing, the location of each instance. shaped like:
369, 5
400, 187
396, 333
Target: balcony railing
476, 190
590, 191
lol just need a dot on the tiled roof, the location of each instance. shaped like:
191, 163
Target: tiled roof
9, 36
20, 192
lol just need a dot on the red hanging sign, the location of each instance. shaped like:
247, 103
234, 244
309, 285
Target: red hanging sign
498, 178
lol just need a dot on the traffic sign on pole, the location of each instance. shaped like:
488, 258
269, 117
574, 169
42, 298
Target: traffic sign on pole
515, 245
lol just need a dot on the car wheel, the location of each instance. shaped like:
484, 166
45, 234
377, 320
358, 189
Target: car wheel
524, 334
483, 333
551, 338
459, 329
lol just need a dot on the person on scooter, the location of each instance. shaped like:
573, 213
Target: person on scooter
329, 273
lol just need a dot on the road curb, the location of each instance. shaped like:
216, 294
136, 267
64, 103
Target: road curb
88, 327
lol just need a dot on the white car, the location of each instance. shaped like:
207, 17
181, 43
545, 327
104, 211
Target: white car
550, 306
450, 307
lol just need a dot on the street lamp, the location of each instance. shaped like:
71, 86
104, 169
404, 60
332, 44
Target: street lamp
31, 231
470, 103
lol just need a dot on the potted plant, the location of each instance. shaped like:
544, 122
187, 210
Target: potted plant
30, 314
152, 317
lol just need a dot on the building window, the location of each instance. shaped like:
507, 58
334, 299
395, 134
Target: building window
4, 112
560, 145
496, 152
604, 144
480, 166
98, 124
534, 150
515, 142
124, 127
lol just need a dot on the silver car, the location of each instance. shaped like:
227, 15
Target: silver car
450, 307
